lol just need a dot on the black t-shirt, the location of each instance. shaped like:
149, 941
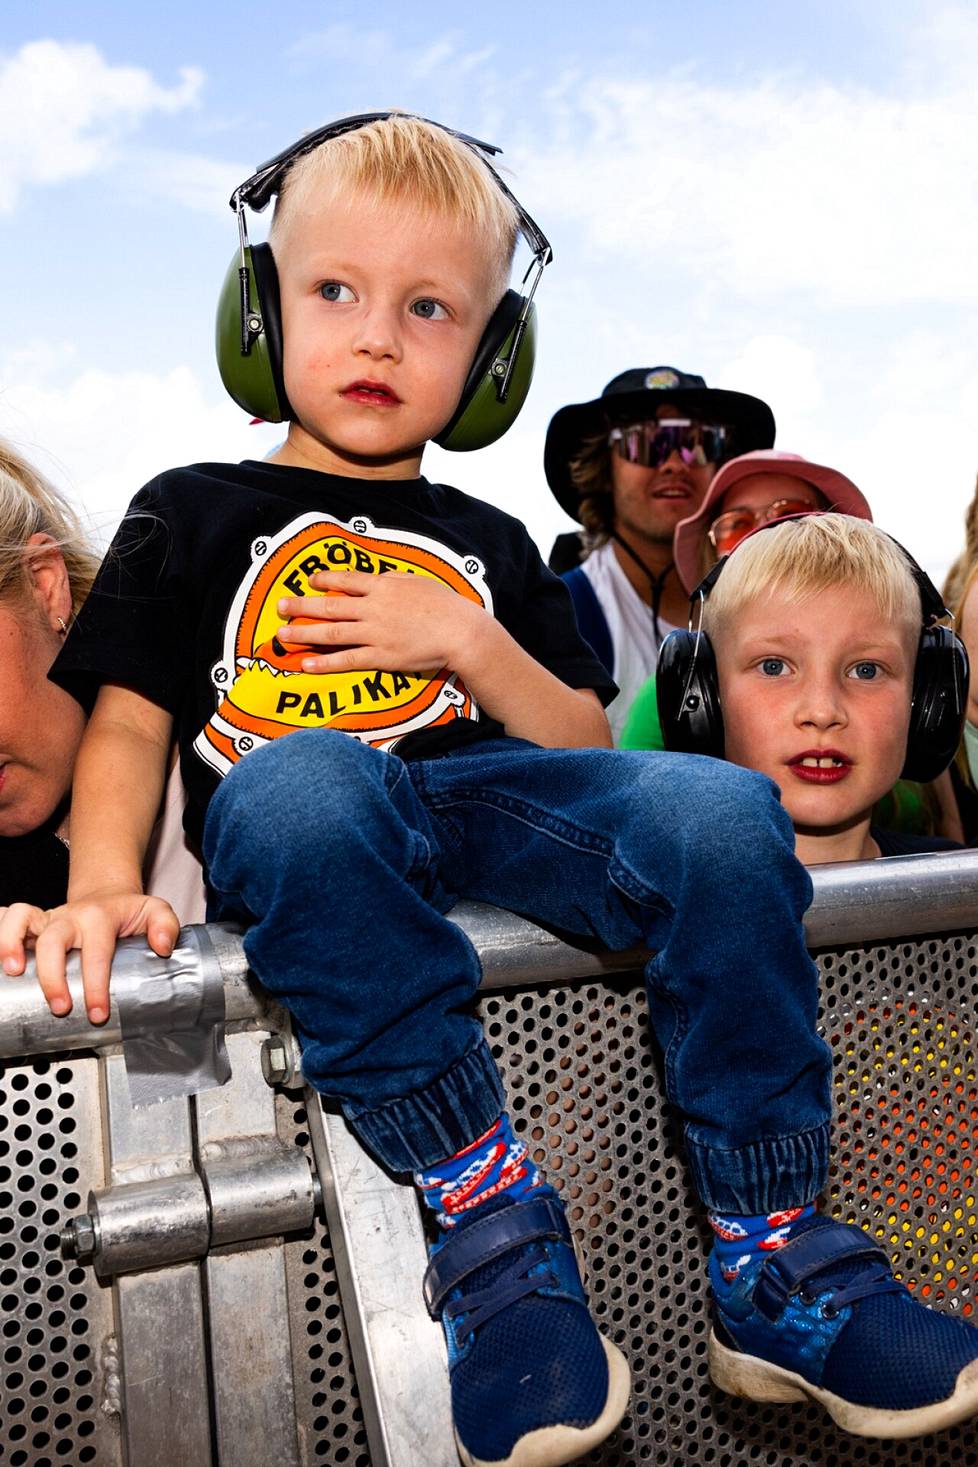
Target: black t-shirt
34, 868
900, 843
183, 610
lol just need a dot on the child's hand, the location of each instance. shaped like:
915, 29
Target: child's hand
394, 622
93, 925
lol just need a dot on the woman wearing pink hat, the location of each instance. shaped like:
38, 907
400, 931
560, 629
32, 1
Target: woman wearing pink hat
752, 490
746, 492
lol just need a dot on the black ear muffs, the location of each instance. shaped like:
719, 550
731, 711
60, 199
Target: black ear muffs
939, 704
687, 692
687, 687
249, 317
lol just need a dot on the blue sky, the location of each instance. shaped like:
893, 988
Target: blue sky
781, 197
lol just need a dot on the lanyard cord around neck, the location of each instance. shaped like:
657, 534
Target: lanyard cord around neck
657, 583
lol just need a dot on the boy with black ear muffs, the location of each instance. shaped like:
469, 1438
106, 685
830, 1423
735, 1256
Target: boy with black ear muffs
447, 740
821, 662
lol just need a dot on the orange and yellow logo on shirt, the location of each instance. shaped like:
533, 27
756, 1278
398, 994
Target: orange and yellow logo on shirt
263, 692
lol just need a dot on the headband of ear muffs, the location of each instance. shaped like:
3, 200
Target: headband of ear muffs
688, 689
249, 318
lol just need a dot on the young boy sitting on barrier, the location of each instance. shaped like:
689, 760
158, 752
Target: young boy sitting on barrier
811, 661
449, 653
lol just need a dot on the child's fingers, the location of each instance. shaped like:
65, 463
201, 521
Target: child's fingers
50, 956
322, 634
17, 923
98, 942
322, 608
162, 928
351, 582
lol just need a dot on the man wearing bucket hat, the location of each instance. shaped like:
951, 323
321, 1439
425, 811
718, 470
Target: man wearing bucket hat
630, 466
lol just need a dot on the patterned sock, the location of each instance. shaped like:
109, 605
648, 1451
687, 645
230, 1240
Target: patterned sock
497, 1162
742, 1240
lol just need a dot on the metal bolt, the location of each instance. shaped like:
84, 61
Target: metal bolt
78, 1238
274, 1060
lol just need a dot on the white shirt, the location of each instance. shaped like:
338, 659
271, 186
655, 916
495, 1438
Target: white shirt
630, 626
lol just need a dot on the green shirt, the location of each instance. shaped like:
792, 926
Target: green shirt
642, 729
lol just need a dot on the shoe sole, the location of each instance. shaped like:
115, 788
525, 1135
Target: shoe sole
551, 1446
760, 1380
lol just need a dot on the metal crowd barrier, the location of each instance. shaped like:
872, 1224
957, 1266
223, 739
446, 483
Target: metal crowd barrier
229, 1281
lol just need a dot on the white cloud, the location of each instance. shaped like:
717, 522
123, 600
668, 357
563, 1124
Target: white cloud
380, 52
761, 188
64, 111
191, 181
101, 435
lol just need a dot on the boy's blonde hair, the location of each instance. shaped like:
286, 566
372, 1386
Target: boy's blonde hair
30, 505
801, 557
407, 160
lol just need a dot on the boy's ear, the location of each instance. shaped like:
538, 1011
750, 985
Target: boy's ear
254, 377
480, 418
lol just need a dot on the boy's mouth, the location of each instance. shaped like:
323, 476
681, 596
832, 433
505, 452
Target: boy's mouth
378, 394
820, 766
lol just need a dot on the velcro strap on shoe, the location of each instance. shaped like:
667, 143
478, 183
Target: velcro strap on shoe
803, 1257
479, 1243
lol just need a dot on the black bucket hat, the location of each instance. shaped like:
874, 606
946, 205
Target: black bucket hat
635, 394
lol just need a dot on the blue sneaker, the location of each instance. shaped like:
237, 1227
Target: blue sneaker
823, 1319
533, 1383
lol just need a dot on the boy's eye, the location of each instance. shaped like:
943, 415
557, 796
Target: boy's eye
865, 671
773, 666
333, 290
430, 310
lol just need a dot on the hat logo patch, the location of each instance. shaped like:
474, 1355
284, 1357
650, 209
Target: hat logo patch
664, 377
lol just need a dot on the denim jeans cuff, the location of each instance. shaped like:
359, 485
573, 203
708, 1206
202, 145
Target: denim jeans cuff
418, 1131
767, 1176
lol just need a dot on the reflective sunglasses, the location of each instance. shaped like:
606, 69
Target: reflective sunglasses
727, 530
650, 443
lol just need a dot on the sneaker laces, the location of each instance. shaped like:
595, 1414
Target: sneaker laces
864, 1280
516, 1281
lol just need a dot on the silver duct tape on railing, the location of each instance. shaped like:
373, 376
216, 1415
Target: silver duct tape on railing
28, 1027
855, 903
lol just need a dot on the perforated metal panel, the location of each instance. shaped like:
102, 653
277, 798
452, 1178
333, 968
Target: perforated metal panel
581, 1074
58, 1383
327, 1401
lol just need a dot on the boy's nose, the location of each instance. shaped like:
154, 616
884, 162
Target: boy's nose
820, 704
378, 335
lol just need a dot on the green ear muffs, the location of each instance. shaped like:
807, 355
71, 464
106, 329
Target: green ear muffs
509, 338
248, 334
254, 379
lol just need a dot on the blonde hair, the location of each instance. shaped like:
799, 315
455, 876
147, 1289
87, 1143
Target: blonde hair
30, 505
799, 558
409, 160
963, 570
968, 577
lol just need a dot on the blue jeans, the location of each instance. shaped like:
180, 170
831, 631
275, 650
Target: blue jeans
344, 861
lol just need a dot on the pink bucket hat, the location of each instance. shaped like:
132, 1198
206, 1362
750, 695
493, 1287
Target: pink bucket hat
840, 493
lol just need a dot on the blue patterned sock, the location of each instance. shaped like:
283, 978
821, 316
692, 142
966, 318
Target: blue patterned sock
741, 1240
496, 1163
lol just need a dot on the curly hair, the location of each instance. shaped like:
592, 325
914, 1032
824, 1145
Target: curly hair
590, 473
